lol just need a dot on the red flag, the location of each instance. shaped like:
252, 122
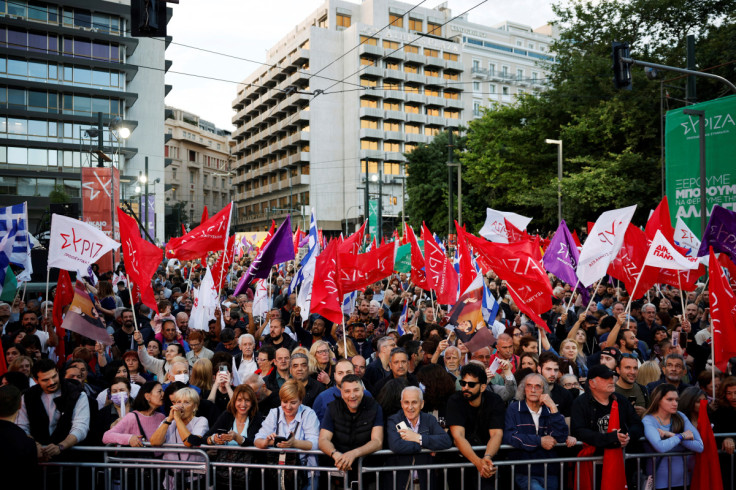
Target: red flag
520, 265
205, 216
219, 270
441, 275
627, 265
418, 276
358, 271
514, 234
326, 294
707, 470
297, 238
722, 313
614, 473
731, 268
352, 243
209, 236
576, 238
660, 220
141, 258
467, 271
183, 230
63, 297
3, 363
591, 224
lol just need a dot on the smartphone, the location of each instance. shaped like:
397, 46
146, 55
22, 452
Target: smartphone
675, 340
401, 426
222, 432
278, 439
632, 400
223, 369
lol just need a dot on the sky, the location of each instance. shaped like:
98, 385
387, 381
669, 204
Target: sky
248, 28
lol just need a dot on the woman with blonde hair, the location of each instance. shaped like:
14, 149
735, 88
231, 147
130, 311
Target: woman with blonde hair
201, 375
569, 350
649, 372
322, 362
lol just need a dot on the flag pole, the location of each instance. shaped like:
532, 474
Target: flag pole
592, 296
344, 338
682, 298
572, 296
46, 298
132, 301
25, 286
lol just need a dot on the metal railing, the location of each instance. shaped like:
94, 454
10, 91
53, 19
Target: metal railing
248, 468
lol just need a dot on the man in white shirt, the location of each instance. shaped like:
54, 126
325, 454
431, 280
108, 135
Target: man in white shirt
245, 361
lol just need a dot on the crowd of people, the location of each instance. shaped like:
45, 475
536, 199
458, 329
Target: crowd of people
349, 390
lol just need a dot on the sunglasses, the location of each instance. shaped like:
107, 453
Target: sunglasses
469, 384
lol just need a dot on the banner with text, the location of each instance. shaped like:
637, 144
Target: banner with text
682, 159
100, 195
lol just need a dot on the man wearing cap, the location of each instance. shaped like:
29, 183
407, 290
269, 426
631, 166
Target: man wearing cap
592, 409
610, 356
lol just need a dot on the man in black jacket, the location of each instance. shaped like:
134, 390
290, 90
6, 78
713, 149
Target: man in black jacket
18, 453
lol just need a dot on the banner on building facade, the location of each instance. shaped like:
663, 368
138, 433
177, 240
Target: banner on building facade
100, 196
682, 159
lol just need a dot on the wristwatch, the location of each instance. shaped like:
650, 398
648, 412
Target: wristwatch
61, 447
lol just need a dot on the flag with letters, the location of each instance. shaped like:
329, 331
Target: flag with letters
604, 241
75, 245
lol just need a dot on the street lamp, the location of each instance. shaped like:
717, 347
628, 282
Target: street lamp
559, 176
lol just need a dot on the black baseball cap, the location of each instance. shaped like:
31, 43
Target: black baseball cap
600, 371
613, 352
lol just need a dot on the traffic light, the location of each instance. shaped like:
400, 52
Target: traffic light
148, 18
621, 70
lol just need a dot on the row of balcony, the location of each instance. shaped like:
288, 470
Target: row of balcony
281, 185
264, 101
420, 78
297, 58
284, 162
486, 74
413, 58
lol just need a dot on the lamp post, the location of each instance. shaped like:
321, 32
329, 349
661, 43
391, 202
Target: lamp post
703, 197
559, 176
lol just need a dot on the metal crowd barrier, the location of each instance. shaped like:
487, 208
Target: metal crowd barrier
126, 468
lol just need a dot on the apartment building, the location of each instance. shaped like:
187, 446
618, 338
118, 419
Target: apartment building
198, 161
344, 96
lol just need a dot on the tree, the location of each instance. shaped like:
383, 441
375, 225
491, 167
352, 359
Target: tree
59, 195
611, 138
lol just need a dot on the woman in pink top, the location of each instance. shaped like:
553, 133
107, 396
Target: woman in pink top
140, 424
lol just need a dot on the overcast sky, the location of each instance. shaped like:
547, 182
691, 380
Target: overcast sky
247, 28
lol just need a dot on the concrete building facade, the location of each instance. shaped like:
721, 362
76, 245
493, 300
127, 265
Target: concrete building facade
198, 162
61, 63
344, 96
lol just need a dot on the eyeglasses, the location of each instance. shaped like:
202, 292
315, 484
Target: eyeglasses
322, 351
535, 387
469, 384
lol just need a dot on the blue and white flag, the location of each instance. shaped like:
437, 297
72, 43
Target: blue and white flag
348, 303
403, 319
6, 250
312, 252
490, 305
439, 242
21, 254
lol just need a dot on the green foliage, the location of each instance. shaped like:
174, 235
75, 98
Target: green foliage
59, 195
611, 138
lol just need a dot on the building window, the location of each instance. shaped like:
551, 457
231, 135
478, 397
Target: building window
191, 177
492, 89
369, 145
492, 69
391, 86
396, 20
390, 44
429, 131
368, 82
391, 126
408, 48
432, 111
505, 71
411, 69
392, 168
409, 147
343, 20
449, 56
531, 45
413, 109
432, 92
519, 74
450, 76
389, 146
322, 23
368, 40
411, 128
372, 166
431, 53
505, 90
434, 28
391, 65
369, 123
372, 103
391, 106
519, 42
476, 86
415, 25
476, 65
452, 114
476, 108
192, 156
431, 72
173, 174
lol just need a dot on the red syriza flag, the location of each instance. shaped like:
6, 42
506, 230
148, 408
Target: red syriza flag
722, 313
141, 258
441, 275
209, 236
357, 271
352, 243
326, 294
222, 266
520, 265
418, 275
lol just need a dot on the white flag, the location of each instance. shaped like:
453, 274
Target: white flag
663, 254
685, 238
260, 300
205, 303
603, 244
494, 229
75, 245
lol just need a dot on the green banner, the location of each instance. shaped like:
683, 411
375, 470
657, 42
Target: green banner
373, 217
682, 159
403, 257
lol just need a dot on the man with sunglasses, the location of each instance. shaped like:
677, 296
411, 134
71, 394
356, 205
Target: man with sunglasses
476, 418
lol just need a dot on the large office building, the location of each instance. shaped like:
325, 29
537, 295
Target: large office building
344, 96
61, 64
198, 161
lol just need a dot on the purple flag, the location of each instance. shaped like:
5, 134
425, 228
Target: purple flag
720, 233
279, 249
561, 258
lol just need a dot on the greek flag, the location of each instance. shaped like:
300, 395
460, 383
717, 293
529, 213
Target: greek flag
17, 215
489, 305
313, 251
6, 249
348, 303
403, 319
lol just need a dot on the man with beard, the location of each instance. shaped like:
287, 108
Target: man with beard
123, 336
399, 365
277, 337
364, 308
29, 323
476, 417
672, 373
360, 339
317, 332
182, 323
